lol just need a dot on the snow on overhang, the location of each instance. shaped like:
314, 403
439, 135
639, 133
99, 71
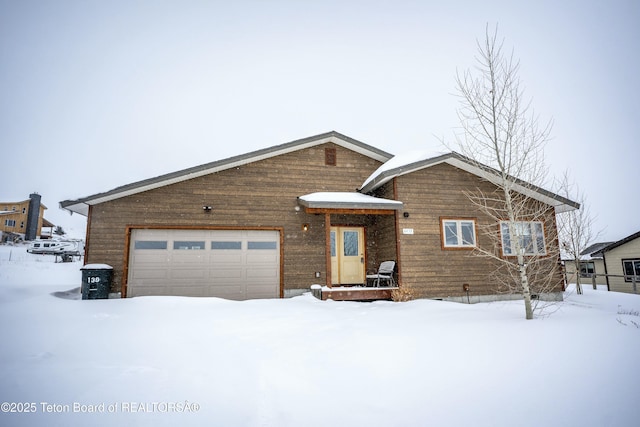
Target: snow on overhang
347, 200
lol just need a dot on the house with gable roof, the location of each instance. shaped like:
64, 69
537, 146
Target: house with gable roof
320, 210
591, 265
622, 264
23, 220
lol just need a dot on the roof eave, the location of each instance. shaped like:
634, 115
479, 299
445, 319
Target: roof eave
229, 163
75, 206
559, 203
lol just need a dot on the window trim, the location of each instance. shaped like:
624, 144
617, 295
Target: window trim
544, 239
624, 271
458, 221
10, 223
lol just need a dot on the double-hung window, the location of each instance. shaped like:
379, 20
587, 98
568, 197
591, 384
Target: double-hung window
529, 235
631, 267
458, 233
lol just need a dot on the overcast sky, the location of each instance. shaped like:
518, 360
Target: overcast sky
97, 94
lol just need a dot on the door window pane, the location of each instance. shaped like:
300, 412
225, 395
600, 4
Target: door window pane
506, 238
188, 245
350, 243
151, 244
333, 243
468, 238
450, 233
262, 245
226, 245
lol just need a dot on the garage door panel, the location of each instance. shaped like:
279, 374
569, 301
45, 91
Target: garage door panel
227, 292
151, 256
262, 258
151, 274
189, 256
232, 264
263, 273
261, 291
187, 274
226, 257
226, 274
186, 291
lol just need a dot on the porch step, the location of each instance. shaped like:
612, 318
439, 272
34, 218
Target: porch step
351, 293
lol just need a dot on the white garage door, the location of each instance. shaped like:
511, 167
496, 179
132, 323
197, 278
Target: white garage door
233, 264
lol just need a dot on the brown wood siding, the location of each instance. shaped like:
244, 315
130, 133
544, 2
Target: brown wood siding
427, 269
385, 238
259, 194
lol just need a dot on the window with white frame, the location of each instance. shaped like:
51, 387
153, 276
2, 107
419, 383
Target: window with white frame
529, 235
458, 233
631, 268
10, 222
587, 269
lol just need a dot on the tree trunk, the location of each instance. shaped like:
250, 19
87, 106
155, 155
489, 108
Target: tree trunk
578, 285
524, 282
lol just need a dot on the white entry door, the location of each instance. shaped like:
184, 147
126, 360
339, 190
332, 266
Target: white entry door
347, 255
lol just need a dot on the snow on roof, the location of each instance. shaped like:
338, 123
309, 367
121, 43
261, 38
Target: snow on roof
401, 160
349, 200
416, 160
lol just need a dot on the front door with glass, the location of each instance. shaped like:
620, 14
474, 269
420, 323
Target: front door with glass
347, 255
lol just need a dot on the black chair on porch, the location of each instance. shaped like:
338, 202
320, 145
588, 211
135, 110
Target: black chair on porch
384, 274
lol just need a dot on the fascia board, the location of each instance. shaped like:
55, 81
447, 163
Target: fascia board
221, 165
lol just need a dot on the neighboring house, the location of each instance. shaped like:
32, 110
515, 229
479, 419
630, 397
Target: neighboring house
24, 219
324, 209
622, 258
591, 264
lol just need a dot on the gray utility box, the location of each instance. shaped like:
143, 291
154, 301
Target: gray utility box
96, 281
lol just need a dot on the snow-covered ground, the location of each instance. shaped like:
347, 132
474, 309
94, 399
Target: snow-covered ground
302, 362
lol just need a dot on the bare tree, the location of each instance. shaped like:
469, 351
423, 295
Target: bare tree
500, 129
576, 228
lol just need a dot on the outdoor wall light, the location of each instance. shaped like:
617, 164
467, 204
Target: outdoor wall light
406, 214
207, 208
305, 227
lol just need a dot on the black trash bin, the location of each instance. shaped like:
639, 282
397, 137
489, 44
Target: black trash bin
96, 281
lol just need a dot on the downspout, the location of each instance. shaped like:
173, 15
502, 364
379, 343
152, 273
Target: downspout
87, 236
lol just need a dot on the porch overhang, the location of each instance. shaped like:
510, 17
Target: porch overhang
348, 202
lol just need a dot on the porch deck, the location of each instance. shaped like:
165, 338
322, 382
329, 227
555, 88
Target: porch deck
352, 293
